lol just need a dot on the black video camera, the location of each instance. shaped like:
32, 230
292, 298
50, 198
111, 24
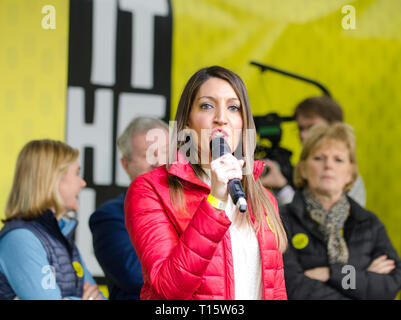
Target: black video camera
269, 127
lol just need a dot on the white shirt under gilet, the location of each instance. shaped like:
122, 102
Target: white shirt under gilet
246, 255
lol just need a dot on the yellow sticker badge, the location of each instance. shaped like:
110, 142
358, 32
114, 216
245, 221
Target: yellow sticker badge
78, 269
300, 241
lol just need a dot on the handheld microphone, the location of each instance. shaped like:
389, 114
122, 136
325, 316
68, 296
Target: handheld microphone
218, 148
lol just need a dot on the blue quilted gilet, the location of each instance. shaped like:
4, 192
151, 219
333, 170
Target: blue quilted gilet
61, 253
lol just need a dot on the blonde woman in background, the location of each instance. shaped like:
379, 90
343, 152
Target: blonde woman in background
38, 257
338, 249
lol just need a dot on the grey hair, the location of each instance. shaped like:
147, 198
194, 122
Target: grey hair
137, 125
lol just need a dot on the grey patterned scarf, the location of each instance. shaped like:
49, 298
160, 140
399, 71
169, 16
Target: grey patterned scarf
330, 224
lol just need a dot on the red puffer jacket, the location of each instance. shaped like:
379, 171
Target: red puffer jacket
190, 257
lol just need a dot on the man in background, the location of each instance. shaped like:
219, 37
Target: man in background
143, 146
311, 111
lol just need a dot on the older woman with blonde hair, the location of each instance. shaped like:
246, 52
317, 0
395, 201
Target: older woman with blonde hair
38, 257
338, 250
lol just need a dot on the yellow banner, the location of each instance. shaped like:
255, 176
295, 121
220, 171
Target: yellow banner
33, 77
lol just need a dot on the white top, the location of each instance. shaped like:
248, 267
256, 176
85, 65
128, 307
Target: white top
246, 255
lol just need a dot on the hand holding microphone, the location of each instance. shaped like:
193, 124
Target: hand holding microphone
226, 174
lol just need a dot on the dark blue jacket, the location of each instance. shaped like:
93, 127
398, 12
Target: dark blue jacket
62, 254
114, 251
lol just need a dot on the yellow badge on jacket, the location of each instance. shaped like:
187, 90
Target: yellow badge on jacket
300, 241
78, 269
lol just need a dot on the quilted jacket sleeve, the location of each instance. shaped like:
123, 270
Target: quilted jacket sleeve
372, 285
299, 286
173, 265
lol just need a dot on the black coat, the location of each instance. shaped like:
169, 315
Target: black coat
366, 239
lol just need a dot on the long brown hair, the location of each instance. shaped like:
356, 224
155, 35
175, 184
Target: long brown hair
40, 166
256, 193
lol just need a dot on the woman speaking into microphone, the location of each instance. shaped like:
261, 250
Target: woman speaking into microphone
191, 240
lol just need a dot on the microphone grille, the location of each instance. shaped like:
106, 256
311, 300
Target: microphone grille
219, 147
